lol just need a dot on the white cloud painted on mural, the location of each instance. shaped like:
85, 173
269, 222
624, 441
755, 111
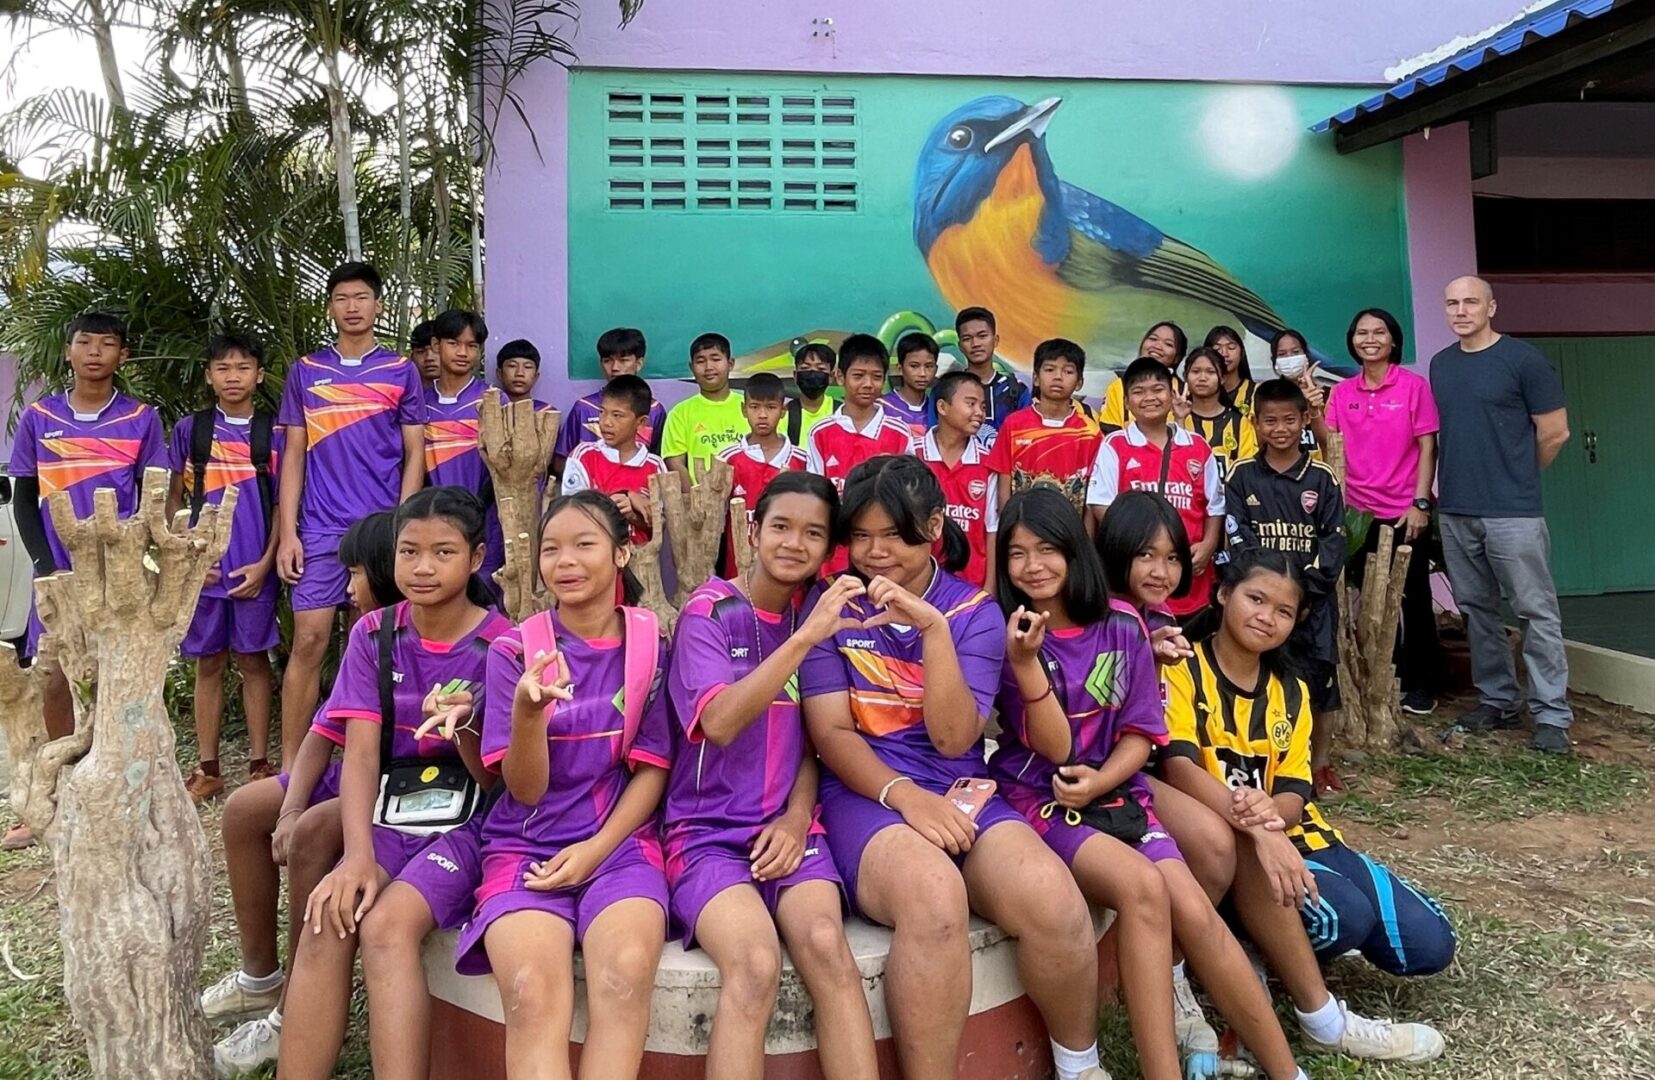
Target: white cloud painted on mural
1250, 132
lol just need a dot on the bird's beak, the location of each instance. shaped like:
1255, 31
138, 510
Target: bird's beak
1032, 119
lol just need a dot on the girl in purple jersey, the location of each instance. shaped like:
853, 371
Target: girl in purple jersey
744, 853
896, 701
439, 647
1080, 710
571, 854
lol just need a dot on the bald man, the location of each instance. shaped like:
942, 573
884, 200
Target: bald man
1503, 421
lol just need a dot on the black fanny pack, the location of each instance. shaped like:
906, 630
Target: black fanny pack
1118, 814
420, 796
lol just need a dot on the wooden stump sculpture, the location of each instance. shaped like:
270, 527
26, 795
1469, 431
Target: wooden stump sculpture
646, 557
516, 441
1371, 715
132, 862
743, 536
695, 524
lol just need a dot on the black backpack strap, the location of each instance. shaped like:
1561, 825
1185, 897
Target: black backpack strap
795, 419
259, 440
201, 452
387, 686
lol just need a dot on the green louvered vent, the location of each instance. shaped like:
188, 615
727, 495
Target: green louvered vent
733, 152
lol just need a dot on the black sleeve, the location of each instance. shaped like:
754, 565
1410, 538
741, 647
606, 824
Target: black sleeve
1238, 528
1323, 572
31, 525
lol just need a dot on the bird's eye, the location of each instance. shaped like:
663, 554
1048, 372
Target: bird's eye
960, 138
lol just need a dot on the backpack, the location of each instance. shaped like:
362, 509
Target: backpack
796, 419
641, 640
453, 795
258, 449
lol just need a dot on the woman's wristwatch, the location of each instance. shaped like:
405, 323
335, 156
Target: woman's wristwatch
1423, 505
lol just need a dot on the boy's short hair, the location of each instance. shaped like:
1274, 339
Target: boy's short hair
1280, 392
862, 347
632, 391
221, 345
518, 349
356, 271
1059, 349
763, 387
420, 336
949, 385
819, 350
1145, 367
96, 322
975, 314
707, 341
452, 323
626, 341
916, 342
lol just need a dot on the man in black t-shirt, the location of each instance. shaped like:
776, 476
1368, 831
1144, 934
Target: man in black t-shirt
1503, 420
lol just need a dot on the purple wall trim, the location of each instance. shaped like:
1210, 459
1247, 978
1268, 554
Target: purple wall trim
1579, 304
1442, 239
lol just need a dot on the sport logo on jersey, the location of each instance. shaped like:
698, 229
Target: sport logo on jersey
1308, 500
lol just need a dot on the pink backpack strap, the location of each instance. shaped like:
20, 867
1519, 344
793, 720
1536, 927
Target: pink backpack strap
643, 648
1125, 608
538, 636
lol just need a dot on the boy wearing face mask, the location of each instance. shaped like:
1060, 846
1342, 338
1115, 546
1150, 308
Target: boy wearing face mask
1290, 357
812, 373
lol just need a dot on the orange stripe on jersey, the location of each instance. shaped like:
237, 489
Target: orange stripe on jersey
446, 440
82, 458
965, 605
882, 714
351, 403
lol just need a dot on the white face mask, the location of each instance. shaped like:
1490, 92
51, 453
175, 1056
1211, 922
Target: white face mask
1292, 365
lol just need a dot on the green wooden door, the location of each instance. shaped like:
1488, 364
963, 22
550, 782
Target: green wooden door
1596, 492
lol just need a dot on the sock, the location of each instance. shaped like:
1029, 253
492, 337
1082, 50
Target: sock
275, 1019
1300, 1075
1178, 971
259, 984
255, 764
1071, 1063
1326, 1025
209, 768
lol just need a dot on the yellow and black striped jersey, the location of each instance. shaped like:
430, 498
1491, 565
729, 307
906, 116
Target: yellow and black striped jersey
1258, 738
1230, 434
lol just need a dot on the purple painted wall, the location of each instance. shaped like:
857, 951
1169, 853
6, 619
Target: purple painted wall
1267, 41
1442, 238
1576, 304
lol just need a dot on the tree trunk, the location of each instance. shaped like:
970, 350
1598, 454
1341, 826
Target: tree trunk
646, 557
344, 159
97, 18
695, 524
405, 183
516, 441
741, 536
133, 865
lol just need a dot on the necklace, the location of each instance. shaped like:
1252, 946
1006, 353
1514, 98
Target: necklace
758, 632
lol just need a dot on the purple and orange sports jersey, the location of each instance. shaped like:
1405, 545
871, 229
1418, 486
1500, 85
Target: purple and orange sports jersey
417, 665
353, 413
750, 472
728, 794
580, 425
599, 466
1034, 450
230, 465
881, 670
451, 452
1104, 677
915, 416
81, 452
583, 743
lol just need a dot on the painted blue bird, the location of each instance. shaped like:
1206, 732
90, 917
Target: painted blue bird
998, 228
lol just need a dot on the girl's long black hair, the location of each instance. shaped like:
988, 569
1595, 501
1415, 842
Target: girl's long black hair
597, 506
1051, 517
462, 509
1129, 528
371, 543
1218, 333
906, 489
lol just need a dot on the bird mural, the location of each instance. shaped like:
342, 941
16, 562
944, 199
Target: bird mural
999, 228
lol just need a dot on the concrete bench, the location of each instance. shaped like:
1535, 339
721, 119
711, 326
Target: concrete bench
1004, 1038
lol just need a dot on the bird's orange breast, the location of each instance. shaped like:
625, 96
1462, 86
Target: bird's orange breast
991, 260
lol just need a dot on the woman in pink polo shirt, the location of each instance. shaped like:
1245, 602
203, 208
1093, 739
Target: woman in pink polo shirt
1389, 422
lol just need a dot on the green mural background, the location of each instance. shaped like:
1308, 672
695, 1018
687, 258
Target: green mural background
1229, 170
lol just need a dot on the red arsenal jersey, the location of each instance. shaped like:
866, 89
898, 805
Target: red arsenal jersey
1034, 450
968, 486
598, 466
752, 471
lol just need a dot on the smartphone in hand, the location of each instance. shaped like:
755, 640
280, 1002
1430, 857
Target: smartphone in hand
970, 794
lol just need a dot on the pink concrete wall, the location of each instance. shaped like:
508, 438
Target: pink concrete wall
1442, 237
1575, 304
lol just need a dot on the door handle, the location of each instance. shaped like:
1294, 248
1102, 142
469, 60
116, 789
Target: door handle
1591, 447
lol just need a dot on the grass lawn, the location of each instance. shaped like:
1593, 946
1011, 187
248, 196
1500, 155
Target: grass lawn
1545, 865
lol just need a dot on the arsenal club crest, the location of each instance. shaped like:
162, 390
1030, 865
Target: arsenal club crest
1194, 467
976, 489
1308, 500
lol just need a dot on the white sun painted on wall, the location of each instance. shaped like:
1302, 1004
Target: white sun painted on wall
1250, 132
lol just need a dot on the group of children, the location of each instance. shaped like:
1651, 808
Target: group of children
1139, 610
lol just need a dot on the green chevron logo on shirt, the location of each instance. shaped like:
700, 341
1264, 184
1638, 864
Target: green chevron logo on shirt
619, 701
1102, 683
792, 687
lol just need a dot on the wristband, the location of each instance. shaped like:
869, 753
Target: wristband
1050, 690
889, 784
285, 813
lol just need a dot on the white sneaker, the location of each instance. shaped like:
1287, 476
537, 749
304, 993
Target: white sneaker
227, 999
1383, 1040
1096, 1072
249, 1046
1195, 1035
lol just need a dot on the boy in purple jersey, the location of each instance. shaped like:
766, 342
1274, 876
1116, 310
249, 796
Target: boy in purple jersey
290, 820
916, 365
620, 352
745, 856
571, 855
452, 455
355, 426
1080, 711
896, 702
439, 649
236, 615
93, 436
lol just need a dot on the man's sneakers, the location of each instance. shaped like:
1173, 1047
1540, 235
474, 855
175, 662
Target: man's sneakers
17, 838
203, 787
1488, 718
1382, 1040
1195, 1035
1551, 739
229, 999
1419, 703
251, 1045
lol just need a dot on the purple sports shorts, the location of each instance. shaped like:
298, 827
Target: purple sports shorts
240, 626
704, 871
1155, 845
325, 582
327, 785
632, 871
852, 821
446, 873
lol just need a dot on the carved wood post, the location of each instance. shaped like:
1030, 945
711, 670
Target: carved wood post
741, 535
516, 441
646, 557
695, 524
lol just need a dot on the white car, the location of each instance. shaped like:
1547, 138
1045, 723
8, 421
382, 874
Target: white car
16, 570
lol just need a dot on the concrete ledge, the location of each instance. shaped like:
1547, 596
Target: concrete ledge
1616, 677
